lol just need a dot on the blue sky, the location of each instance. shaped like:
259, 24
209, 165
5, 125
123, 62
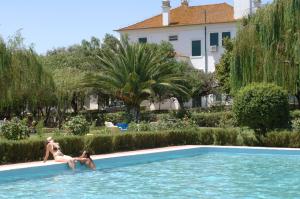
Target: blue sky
56, 23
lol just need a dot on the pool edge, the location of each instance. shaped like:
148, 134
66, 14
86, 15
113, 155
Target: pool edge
138, 152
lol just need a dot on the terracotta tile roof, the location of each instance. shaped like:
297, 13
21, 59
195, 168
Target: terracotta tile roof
192, 15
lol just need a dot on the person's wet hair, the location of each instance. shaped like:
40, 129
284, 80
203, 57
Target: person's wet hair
88, 155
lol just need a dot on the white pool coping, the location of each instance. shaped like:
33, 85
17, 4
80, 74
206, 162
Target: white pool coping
132, 153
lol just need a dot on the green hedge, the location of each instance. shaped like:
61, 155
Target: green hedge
262, 107
119, 117
282, 139
214, 119
34, 149
202, 119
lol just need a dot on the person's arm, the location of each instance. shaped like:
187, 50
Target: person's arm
47, 154
81, 160
93, 166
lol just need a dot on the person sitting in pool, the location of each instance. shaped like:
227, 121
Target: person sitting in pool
53, 148
86, 159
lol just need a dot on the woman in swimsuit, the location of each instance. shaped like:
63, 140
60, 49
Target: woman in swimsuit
53, 148
86, 159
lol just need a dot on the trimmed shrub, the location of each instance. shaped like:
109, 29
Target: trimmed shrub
163, 125
142, 126
77, 125
34, 149
21, 151
99, 144
227, 120
225, 137
207, 119
123, 142
262, 107
296, 125
183, 137
180, 114
277, 139
120, 117
151, 140
295, 114
115, 118
247, 138
148, 116
206, 137
294, 140
15, 130
164, 117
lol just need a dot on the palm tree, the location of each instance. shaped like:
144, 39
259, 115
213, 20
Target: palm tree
135, 72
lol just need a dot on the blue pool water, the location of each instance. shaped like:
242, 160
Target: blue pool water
196, 173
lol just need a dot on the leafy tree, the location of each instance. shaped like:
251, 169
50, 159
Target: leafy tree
68, 66
22, 78
110, 42
133, 72
200, 84
267, 48
223, 68
68, 91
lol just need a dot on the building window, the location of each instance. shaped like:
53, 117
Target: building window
225, 35
214, 39
143, 40
196, 48
173, 38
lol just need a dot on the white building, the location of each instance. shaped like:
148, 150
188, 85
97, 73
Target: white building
196, 32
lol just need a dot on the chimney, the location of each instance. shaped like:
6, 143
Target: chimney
185, 3
166, 7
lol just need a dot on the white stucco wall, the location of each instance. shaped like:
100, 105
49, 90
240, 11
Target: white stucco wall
167, 104
186, 34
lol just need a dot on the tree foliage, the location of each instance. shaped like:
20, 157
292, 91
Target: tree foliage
68, 66
23, 80
133, 72
223, 68
267, 47
262, 107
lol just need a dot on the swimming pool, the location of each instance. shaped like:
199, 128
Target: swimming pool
201, 172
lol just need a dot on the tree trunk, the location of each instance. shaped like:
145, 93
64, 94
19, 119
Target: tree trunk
99, 101
159, 105
298, 99
74, 103
47, 116
61, 114
137, 114
181, 103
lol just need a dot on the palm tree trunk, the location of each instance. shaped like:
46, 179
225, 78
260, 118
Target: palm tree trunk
138, 114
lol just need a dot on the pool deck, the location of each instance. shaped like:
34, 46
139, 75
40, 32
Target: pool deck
131, 153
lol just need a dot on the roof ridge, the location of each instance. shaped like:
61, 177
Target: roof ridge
154, 21
213, 4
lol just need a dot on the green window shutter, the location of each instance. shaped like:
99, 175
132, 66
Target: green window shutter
143, 40
196, 48
225, 35
214, 39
